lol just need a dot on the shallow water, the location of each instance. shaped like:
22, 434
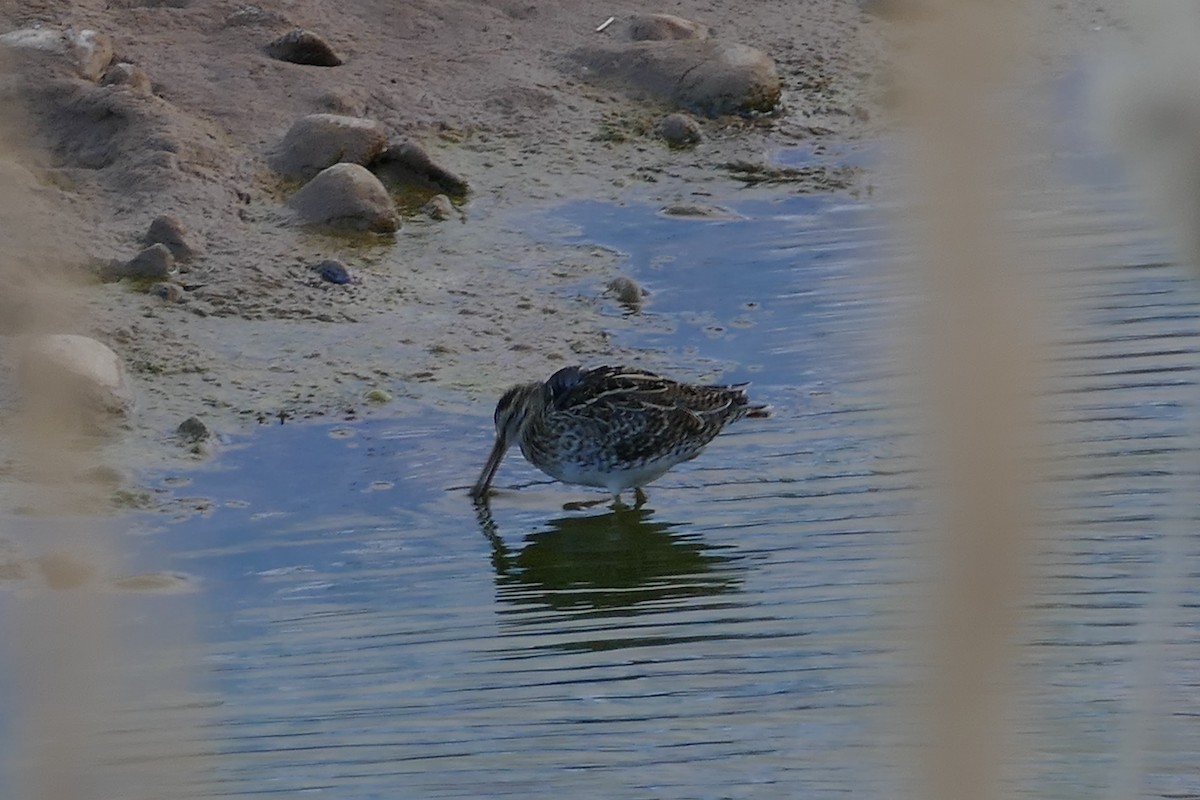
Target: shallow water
372, 631
365, 632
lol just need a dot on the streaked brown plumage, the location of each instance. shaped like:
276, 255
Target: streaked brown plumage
612, 427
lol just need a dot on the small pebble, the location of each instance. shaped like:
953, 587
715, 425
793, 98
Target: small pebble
253, 15
378, 397
439, 207
333, 271
679, 130
698, 211
659, 27
192, 430
158, 582
627, 291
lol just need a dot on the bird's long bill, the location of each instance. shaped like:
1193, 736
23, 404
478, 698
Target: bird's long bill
489, 469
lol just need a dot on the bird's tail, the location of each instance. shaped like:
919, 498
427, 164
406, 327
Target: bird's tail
760, 412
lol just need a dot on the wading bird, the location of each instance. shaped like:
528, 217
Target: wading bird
616, 428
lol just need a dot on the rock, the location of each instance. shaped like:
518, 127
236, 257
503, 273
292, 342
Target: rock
192, 430
126, 74
322, 140
439, 207
156, 582
699, 211
76, 369
333, 271
408, 163
377, 397
254, 15
346, 196
167, 230
659, 27
167, 291
627, 292
303, 47
153, 263
704, 76
679, 130
88, 51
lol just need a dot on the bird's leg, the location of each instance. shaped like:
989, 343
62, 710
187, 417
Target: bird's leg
617, 505
639, 497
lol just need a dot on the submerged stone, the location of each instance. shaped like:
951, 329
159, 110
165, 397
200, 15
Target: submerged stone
627, 291
192, 430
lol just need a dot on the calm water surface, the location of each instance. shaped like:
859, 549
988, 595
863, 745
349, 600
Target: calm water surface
373, 634
367, 633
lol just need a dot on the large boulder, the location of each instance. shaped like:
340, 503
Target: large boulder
322, 140
701, 75
346, 196
73, 372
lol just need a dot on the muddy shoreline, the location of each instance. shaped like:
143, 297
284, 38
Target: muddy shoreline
446, 311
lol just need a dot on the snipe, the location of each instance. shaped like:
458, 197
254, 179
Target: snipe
612, 427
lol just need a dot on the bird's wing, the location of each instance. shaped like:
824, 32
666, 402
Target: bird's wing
573, 389
608, 393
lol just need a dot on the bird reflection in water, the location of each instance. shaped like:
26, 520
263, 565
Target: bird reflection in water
606, 564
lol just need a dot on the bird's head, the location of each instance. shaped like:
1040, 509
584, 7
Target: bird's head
516, 407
